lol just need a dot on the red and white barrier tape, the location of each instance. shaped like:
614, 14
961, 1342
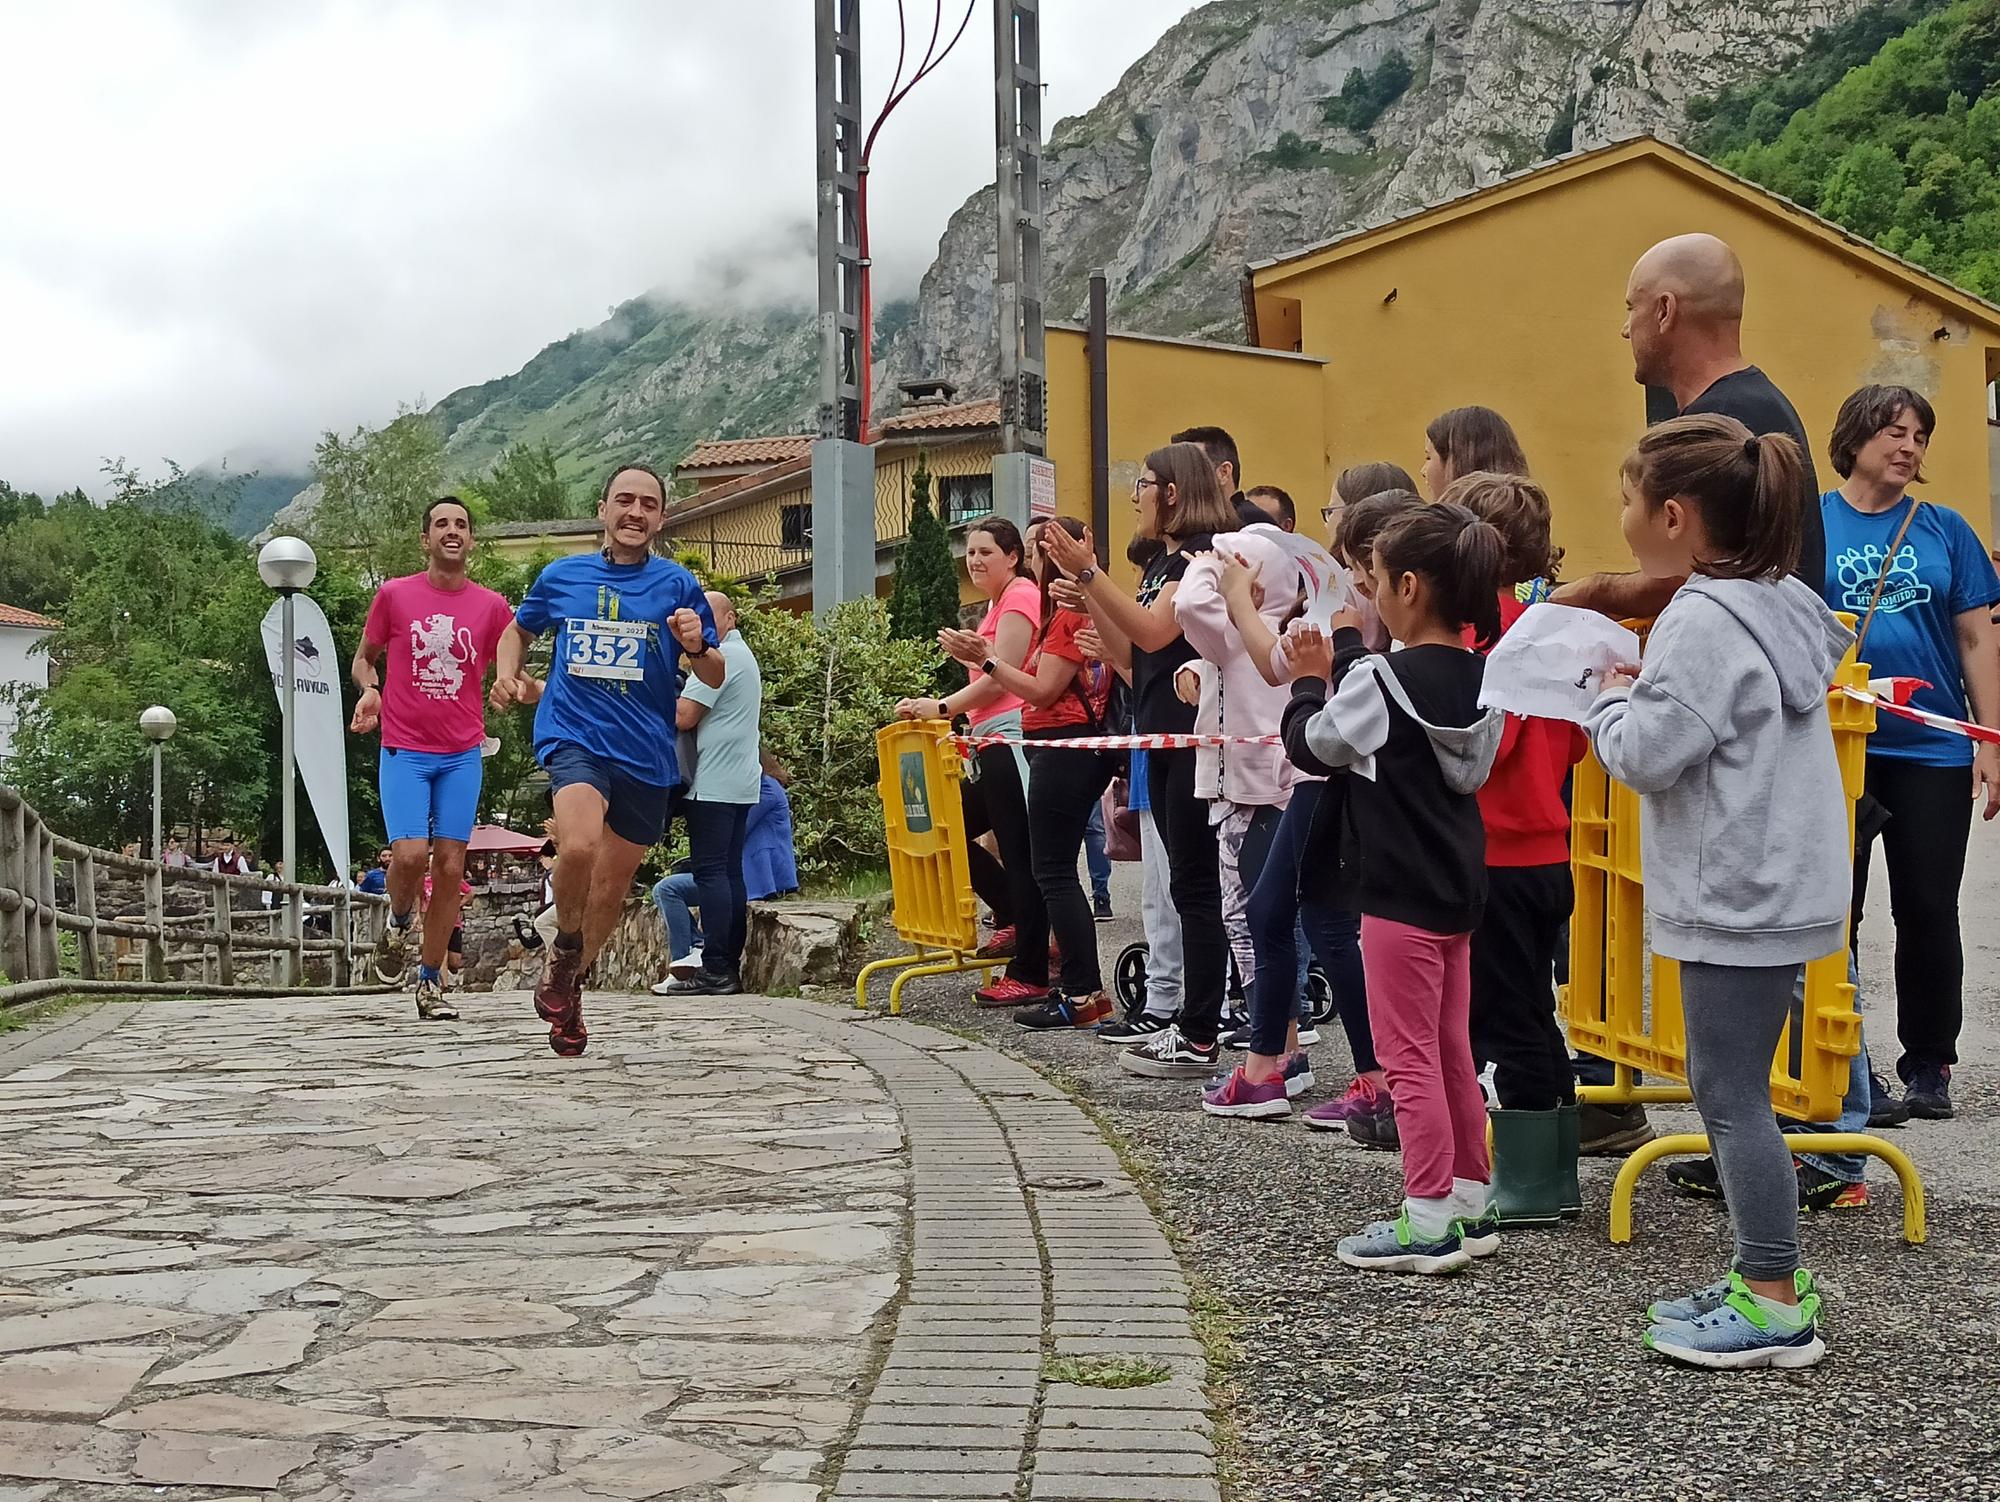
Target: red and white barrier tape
1891, 696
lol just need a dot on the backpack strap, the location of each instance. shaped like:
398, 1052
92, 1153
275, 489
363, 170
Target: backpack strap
1882, 580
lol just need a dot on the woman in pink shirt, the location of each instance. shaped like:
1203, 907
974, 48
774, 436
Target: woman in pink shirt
996, 562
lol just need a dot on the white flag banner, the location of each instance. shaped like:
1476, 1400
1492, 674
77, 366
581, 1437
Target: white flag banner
319, 731
1551, 661
1328, 586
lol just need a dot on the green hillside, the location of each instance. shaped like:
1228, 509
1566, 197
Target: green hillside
1890, 126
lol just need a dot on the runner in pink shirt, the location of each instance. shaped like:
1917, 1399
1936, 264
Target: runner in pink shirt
421, 668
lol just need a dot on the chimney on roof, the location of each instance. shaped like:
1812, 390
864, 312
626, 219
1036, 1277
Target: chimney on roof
927, 393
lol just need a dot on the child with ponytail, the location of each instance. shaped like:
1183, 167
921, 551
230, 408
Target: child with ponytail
1724, 735
1410, 724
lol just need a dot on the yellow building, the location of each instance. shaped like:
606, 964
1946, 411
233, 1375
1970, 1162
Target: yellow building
1512, 297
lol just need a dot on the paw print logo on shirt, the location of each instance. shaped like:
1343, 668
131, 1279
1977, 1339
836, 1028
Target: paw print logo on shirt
1859, 568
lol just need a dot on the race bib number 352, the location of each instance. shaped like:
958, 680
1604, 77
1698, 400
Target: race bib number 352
606, 649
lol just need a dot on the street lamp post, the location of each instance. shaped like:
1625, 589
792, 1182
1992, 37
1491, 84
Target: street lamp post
287, 565
158, 726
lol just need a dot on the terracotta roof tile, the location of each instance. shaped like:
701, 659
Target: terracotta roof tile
729, 452
979, 414
11, 615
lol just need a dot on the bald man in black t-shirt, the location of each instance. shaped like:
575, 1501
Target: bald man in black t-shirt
1684, 321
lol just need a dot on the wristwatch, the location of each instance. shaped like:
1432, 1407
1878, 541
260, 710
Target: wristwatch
692, 655
989, 667
944, 710
1086, 576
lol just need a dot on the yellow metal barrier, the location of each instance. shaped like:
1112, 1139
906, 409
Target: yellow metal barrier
929, 870
1623, 1003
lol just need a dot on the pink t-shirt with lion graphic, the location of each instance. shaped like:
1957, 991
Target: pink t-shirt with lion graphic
438, 644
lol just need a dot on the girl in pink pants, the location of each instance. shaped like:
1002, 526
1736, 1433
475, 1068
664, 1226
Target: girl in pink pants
1409, 727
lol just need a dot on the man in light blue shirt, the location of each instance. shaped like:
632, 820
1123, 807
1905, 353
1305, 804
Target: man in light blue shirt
728, 778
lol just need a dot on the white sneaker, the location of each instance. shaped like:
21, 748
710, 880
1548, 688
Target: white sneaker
687, 964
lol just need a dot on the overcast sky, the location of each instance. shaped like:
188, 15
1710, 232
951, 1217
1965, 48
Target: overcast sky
230, 224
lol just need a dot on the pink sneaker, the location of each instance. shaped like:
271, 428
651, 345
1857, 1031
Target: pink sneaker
1237, 1096
1008, 992
1331, 1115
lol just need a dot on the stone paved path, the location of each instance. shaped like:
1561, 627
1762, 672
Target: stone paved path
742, 1252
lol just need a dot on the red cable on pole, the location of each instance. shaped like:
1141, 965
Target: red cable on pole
931, 59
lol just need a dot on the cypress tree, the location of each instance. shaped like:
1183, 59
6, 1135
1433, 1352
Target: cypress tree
925, 597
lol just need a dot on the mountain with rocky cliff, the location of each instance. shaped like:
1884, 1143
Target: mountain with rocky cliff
1252, 127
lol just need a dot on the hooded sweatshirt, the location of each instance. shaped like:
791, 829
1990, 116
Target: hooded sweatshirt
1410, 728
1246, 704
1527, 822
1725, 737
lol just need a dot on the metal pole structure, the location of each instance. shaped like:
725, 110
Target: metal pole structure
1020, 472
290, 800
843, 468
159, 847
1098, 342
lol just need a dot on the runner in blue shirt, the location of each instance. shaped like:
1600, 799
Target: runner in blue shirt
604, 729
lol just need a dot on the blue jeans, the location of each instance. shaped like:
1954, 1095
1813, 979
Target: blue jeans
1856, 1104
1094, 858
715, 850
672, 895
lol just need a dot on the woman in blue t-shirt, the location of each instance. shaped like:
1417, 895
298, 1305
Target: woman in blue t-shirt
1932, 587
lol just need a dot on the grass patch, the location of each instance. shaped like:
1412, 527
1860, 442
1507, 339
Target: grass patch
872, 882
13, 1019
1105, 1371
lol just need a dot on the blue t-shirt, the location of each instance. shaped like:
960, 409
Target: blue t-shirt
374, 881
1939, 572
612, 681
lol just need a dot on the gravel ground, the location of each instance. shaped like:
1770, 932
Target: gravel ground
1526, 1378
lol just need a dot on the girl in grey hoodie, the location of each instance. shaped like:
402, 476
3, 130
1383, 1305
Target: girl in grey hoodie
1743, 823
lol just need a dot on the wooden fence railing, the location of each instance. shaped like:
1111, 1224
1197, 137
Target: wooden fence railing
169, 926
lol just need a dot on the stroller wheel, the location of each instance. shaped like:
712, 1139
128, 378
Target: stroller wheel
1319, 995
1128, 978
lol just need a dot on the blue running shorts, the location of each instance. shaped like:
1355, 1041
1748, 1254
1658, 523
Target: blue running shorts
430, 795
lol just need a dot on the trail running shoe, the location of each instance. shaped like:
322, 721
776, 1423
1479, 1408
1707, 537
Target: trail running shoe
1130, 1030
431, 1003
1884, 1110
1480, 1234
1820, 1190
1239, 1095
1390, 1246
1066, 1012
1008, 992
1928, 1094
1331, 1115
559, 999
1705, 1301
1170, 1055
1100, 907
389, 959
1744, 1332
569, 1036
1696, 1178
999, 947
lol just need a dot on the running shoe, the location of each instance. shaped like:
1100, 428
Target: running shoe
1100, 907
1063, 1011
1705, 1301
1820, 1190
431, 1003
1743, 1333
1928, 1094
705, 983
1170, 1055
569, 1036
1008, 992
1480, 1234
999, 947
389, 959
1297, 1075
1391, 1246
1374, 1125
1331, 1115
1696, 1178
1239, 1038
1612, 1131
1136, 1029
559, 999
1884, 1110
1239, 1095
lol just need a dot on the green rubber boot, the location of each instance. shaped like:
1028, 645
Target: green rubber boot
1527, 1180
1570, 1196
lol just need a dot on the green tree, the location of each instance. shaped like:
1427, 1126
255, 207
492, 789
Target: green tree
375, 484
1865, 189
924, 599
1365, 95
524, 486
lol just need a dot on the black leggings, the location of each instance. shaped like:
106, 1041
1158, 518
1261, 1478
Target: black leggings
1514, 1025
1923, 843
1194, 878
1063, 787
997, 802
1285, 891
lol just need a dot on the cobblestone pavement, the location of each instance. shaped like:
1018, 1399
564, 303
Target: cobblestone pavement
742, 1252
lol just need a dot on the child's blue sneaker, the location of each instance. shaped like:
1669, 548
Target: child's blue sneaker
1390, 1246
1480, 1233
1705, 1301
1744, 1332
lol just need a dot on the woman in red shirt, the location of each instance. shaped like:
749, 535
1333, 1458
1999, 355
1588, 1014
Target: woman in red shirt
1062, 694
